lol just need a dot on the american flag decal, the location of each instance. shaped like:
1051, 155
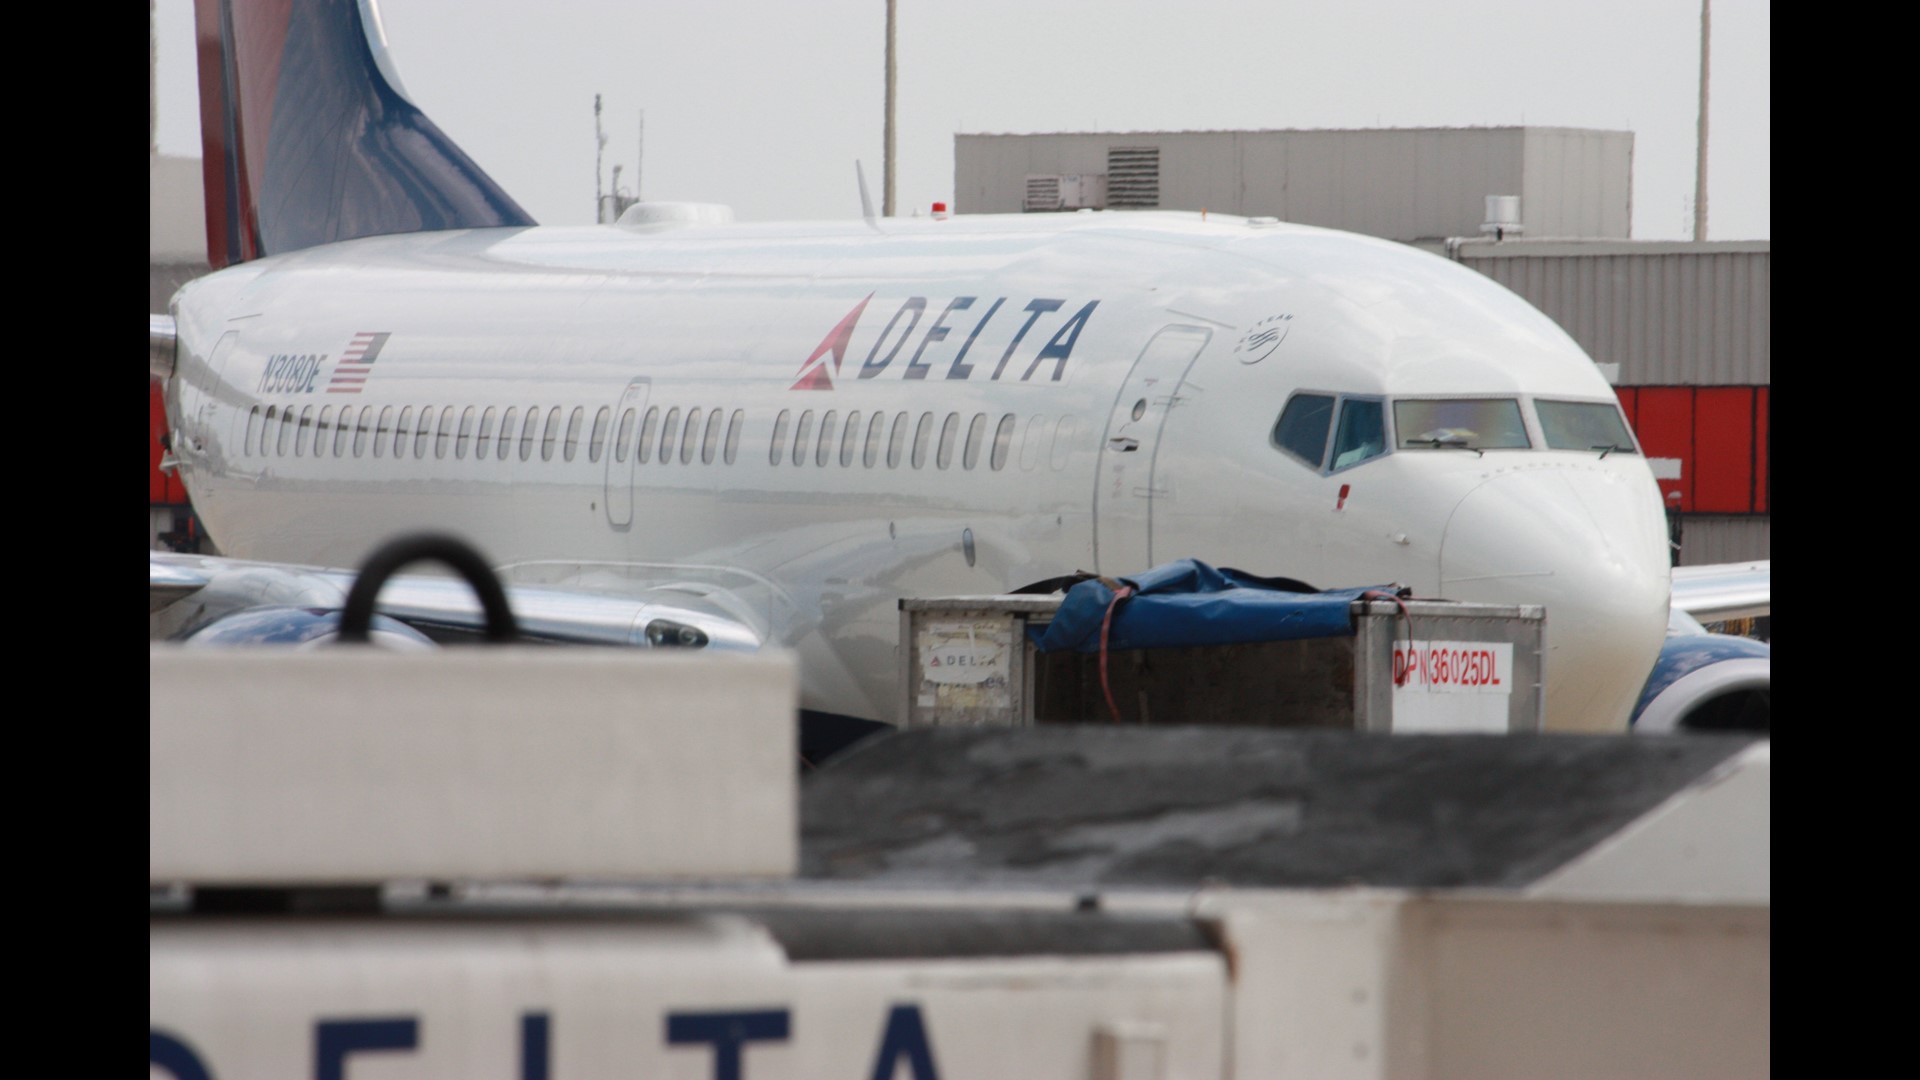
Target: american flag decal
357, 362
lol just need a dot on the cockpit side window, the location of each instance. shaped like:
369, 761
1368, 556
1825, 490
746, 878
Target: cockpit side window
1362, 433
1303, 426
1584, 425
1460, 424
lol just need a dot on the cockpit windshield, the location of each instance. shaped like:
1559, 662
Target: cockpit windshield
1584, 425
1459, 424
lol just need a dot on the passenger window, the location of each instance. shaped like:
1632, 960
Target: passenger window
343, 428
850, 439
248, 446
571, 445
1362, 433
710, 444
360, 431
669, 430
483, 439
284, 446
802, 435
1302, 428
976, 434
529, 432
1002, 442
382, 432
443, 437
876, 430
550, 433
897, 441
463, 434
423, 433
643, 452
597, 442
690, 436
734, 424
623, 438
949, 434
1033, 443
1063, 442
779, 436
1584, 425
828, 424
1460, 424
506, 432
306, 432
323, 431
922, 436
402, 431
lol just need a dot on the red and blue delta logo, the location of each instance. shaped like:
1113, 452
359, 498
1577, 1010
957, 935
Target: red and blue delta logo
1017, 341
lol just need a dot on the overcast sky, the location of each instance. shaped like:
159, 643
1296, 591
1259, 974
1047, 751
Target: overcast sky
765, 106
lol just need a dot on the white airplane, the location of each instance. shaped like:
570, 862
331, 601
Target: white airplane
673, 430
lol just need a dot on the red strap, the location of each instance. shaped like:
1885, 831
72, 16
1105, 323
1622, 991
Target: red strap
1400, 676
1106, 624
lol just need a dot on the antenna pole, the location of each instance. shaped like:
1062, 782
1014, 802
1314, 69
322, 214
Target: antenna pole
599, 148
1700, 162
886, 196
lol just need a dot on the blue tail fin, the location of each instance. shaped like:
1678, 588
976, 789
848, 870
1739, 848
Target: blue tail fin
306, 137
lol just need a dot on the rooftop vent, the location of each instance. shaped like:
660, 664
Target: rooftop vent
1133, 177
1503, 216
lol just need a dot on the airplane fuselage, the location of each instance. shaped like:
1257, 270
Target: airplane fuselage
825, 418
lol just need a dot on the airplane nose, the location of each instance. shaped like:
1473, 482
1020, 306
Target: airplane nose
1590, 544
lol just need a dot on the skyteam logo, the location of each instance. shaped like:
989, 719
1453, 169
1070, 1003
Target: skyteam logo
1265, 336
1022, 353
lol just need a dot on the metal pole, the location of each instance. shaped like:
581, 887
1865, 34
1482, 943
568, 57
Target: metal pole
1700, 163
599, 148
153, 98
886, 198
640, 160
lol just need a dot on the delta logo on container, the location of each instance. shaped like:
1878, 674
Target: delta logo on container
1023, 355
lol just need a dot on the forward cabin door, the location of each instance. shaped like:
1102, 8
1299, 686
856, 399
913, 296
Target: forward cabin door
621, 456
1124, 493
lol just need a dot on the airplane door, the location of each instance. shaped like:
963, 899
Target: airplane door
620, 455
1124, 492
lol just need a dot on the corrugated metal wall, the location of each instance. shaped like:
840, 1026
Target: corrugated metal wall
1398, 183
1707, 539
1668, 314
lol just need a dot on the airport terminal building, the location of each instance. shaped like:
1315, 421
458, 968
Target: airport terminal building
1684, 329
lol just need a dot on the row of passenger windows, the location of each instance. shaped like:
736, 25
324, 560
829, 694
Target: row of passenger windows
482, 433
663, 435
1477, 424
864, 436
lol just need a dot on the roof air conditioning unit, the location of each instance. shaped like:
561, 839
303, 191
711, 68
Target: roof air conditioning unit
1071, 191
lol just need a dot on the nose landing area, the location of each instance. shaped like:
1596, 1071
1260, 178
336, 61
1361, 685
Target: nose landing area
1588, 544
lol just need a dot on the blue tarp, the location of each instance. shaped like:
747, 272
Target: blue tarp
1190, 603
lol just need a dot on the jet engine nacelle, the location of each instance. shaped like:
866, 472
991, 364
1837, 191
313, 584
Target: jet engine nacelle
300, 627
1707, 682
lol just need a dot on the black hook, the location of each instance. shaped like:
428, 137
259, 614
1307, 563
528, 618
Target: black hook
357, 618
